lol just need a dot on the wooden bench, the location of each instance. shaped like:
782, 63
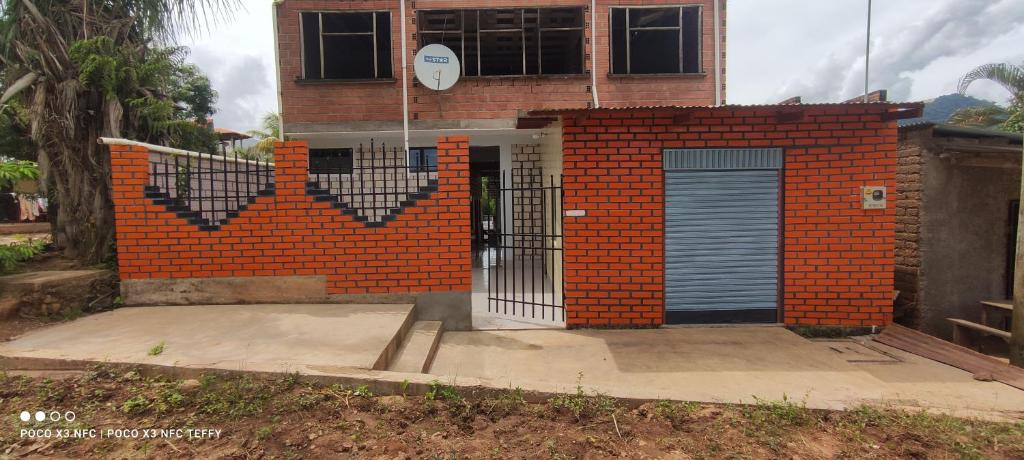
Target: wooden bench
1003, 310
963, 330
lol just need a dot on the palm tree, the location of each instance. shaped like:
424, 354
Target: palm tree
1010, 77
267, 136
987, 116
76, 66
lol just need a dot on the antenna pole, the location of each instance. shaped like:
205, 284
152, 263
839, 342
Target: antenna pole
405, 79
867, 56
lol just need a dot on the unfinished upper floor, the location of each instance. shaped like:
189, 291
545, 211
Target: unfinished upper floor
340, 61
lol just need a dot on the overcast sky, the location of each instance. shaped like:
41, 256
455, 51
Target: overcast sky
776, 49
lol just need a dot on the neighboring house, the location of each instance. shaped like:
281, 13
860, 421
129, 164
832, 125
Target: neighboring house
581, 174
230, 139
957, 197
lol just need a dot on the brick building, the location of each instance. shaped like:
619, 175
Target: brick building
958, 192
582, 173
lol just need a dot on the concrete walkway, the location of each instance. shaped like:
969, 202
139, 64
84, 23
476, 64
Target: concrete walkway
272, 338
721, 364
728, 364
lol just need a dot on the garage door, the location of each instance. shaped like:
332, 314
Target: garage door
722, 235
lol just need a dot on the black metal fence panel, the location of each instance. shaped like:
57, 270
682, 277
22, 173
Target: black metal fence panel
524, 277
208, 190
378, 185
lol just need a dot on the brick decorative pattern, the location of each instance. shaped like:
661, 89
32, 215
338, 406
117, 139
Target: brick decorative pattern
481, 97
837, 258
425, 249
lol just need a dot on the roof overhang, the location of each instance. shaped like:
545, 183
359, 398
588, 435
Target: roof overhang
787, 112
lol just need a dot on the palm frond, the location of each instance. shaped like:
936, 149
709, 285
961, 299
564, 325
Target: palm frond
1009, 76
980, 116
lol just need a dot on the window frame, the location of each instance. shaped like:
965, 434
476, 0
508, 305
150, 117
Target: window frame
420, 34
682, 42
421, 168
350, 153
372, 32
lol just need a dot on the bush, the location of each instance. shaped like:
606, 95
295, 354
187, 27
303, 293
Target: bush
13, 254
14, 171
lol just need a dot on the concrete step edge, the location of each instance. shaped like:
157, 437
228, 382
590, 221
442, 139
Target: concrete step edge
423, 357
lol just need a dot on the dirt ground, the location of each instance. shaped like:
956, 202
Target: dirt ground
100, 296
13, 327
289, 418
50, 260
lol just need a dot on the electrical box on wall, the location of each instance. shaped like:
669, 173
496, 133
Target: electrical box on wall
873, 197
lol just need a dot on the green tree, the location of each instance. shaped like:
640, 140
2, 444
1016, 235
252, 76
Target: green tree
12, 171
89, 68
266, 137
14, 141
991, 117
1010, 77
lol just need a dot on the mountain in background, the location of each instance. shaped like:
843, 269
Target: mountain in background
939, 110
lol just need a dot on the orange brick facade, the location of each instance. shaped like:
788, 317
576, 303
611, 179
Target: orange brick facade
481, 98
837, 258
426, 249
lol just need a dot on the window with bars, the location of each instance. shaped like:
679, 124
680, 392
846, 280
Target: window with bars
330, 161
346, 46
655, 40
422, 159
508, 42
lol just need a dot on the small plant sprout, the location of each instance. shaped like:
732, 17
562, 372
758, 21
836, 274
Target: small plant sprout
156, 350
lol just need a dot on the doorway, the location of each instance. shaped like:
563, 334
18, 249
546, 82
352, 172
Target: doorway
517, 255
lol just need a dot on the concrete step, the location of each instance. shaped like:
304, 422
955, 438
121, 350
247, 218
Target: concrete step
417, 351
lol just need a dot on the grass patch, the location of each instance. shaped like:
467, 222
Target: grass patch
156, 350
675, 412
922, 431
438, 391
772, 422
583, 405
264, 432
135, 404
780, 414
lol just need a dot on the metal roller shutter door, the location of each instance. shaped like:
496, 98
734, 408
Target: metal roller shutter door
722, 235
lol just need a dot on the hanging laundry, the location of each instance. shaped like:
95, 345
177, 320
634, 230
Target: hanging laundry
29, 208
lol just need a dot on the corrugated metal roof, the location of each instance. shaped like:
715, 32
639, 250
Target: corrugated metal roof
899, 105
963, 131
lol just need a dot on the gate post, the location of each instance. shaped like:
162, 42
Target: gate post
453, 193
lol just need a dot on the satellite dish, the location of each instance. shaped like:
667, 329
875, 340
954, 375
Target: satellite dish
437, 67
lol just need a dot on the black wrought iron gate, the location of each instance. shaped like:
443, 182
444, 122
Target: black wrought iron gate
523, 259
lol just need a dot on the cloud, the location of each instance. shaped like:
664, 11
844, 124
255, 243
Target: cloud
243, 85
238, 56
947, 29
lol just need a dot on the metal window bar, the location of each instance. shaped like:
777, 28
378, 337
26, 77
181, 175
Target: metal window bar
522, 29
381, 181
207, 190
679, 27
373, 33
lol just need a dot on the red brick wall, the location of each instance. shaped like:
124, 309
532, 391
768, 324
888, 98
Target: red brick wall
426, 249
479, 97
838, 258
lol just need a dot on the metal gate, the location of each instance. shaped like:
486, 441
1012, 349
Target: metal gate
722, 235
523, 260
